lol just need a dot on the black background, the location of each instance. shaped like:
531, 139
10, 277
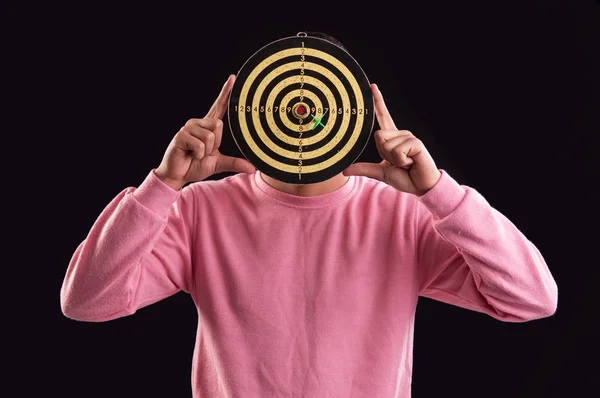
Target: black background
503, 98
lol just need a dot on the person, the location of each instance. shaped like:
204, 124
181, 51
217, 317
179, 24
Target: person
304, 290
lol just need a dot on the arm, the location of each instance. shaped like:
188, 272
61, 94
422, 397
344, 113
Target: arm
137, 253
470, 255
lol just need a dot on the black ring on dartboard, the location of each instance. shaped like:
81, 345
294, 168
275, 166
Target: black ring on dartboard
334, 51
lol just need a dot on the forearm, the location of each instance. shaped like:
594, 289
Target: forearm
502, 272
105, 272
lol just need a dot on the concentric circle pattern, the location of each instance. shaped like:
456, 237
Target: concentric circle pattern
301, 110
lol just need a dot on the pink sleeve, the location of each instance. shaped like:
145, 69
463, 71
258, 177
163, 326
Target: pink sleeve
136, 253
473, 257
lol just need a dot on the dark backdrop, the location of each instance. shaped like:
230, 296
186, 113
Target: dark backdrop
500, 96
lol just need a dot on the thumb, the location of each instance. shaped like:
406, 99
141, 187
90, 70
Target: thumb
372, 170
234, 165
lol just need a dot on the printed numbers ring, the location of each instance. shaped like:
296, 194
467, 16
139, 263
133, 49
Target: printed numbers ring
301, 110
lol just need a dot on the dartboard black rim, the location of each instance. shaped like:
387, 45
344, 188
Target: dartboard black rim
272, 152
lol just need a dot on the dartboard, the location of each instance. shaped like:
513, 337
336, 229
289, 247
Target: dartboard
301, 109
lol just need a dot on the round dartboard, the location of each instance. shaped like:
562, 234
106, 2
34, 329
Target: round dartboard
301, 110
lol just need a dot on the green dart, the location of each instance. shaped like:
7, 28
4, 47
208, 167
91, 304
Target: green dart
318, 121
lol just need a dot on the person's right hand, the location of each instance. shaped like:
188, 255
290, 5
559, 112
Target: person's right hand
193, 154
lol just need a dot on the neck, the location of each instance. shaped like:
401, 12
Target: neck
319, 188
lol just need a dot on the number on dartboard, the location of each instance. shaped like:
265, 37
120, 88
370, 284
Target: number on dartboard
300, 129
262, 108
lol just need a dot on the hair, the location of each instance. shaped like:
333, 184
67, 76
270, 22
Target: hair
327, 37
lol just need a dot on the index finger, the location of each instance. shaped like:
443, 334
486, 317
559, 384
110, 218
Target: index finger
220, 106
381, 112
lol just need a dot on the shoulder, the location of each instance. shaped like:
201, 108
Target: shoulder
385, 204
222, 188
382, 193
390, 212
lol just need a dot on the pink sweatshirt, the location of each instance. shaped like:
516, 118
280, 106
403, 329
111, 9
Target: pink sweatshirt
305, 296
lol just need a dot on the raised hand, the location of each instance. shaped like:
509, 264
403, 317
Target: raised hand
406, 164
193, 154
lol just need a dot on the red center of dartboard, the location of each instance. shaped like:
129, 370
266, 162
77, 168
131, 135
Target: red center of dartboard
301, 110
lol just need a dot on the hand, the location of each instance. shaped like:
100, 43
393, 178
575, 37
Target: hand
193, 154
406, 165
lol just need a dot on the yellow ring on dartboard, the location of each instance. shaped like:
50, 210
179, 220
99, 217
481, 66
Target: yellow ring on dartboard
271, 98
286, 82
297, 51
287, 122
296, 141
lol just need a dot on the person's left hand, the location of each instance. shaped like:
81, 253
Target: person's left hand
406, 165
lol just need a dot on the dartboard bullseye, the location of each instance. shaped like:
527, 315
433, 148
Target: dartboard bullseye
301, 110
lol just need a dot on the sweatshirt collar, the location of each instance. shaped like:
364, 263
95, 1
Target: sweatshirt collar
305, 201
